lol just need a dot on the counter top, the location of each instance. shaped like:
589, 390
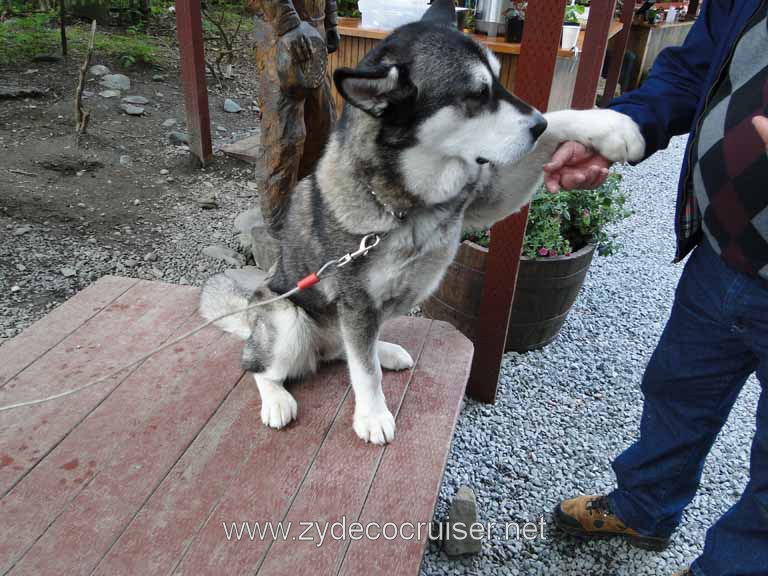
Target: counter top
352, 27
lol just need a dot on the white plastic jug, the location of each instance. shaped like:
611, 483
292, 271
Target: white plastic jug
389, 14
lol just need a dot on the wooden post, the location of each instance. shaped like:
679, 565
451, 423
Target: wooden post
189, 29
593, 55
535, 71
617, 59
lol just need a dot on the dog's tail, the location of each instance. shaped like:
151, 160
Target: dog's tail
222, 295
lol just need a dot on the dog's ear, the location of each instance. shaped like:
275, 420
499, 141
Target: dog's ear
441, 12
373, 90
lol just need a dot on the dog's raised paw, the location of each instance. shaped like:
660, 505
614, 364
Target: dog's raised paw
378, 428
394, 356
278, 408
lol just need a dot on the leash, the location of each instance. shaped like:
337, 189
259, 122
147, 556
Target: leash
328, 269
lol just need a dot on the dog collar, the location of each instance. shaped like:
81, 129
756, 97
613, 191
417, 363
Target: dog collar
397, 214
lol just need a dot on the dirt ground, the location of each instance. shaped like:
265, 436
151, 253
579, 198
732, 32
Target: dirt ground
128, 202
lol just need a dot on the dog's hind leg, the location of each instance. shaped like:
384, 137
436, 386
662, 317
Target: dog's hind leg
393, 356
281, 347
373, 422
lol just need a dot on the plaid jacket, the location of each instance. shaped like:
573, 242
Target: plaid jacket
671, 101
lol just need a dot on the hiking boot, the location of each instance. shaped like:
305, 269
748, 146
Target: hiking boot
591, 517
686, 572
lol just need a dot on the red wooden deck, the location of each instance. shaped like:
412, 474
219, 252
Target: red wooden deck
137, 475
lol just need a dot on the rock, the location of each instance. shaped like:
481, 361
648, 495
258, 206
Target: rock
220, 129
88, 94
129, 263
46, 58
68, 272
208, 201
255, 240
21, 230
151, 257
8, 93
220, 252
132, 110
136, 202
231, 106
463, 513
15, 288
178, 138
21, 267
158, 78
116, 82
125, 160
163, 172
109, 93
98, 70
168, 123
138, 100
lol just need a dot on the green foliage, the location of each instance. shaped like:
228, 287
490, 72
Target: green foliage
572, 13
561, 223
21, 38
348, 8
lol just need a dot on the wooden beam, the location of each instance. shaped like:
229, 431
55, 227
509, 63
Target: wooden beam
617, 58
535, 72
189, 30
593, 56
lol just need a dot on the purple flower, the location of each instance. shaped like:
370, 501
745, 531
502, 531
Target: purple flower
543, 252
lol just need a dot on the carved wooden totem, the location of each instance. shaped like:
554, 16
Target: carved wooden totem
294, 38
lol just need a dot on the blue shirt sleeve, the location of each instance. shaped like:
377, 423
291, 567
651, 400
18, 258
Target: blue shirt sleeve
665, 105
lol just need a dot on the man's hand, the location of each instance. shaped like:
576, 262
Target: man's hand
298, 44
574, 166
332, 40
761, 125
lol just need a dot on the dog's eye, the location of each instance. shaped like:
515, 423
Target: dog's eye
481, 94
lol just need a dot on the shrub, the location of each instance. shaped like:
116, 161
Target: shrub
565, 222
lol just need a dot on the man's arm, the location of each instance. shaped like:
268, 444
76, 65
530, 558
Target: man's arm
332, 38
664, 106
666, 103
280, 13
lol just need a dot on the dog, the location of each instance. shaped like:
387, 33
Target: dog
429, 144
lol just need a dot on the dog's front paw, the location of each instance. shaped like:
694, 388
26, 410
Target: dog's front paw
614, 135
394, 357
278, 408
377, 428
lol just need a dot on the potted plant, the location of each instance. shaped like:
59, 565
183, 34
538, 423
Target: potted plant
515, 16
653, 16
571, 26
564, 231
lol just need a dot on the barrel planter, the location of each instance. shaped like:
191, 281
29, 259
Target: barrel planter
546, 290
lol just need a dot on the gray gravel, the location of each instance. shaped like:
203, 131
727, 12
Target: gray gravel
565, 412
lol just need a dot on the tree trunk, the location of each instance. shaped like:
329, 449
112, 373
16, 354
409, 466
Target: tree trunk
63, 27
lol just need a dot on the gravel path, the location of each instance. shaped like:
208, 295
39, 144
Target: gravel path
564, 412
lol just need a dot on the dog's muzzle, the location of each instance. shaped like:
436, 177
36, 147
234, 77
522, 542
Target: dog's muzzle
539, 125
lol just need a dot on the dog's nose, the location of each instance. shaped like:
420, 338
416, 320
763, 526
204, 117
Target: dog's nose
538, 126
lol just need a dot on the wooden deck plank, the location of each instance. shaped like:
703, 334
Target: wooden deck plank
24, 349
268, 480
425, 423
140, 319
145, 316
340, 478
137, 476
158, 411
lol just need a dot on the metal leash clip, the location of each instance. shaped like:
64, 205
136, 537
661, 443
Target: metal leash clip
368, 242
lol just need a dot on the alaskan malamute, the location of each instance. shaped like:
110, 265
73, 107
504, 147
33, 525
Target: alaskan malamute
429, 144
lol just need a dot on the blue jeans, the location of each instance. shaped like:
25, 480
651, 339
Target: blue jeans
716, 336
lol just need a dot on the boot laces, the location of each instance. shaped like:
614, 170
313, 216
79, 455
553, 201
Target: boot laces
600, 505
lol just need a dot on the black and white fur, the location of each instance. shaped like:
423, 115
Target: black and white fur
429, 144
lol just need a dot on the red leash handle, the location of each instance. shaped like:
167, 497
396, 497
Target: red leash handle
308, 281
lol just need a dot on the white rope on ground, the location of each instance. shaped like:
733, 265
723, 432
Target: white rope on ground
148, 354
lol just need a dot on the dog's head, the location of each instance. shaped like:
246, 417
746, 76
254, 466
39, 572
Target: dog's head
436, 97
